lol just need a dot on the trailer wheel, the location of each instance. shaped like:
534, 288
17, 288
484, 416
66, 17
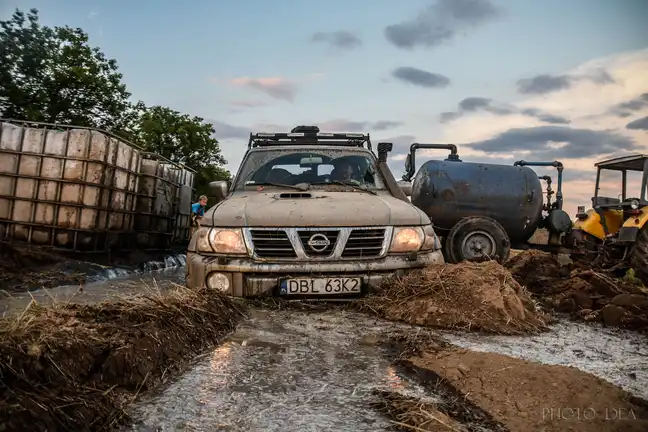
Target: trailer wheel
476, 239
639, 256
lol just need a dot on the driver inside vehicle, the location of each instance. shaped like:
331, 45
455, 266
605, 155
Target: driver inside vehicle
342, 171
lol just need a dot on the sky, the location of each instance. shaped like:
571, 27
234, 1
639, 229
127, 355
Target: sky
503, 79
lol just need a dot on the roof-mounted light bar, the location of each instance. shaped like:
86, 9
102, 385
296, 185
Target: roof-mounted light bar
309, 138
318, 135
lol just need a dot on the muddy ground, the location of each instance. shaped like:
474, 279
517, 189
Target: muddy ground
331, 369
468, 347
70, 366
583, 293
511, 394
24, 267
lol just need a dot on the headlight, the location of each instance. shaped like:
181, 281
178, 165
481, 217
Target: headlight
406, 239
220, 240
634, 204
431, 241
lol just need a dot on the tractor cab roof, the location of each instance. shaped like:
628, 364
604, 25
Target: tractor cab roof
636, 162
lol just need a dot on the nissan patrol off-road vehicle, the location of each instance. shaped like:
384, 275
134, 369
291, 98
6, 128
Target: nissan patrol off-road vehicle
309, 214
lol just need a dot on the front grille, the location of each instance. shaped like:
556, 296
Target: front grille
272, 244
306, 235
364, 243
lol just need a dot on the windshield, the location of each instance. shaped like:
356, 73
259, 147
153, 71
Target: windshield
291, 167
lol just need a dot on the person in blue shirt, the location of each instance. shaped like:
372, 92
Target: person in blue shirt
198, 209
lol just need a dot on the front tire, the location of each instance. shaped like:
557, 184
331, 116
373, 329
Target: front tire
639, 256
477, 239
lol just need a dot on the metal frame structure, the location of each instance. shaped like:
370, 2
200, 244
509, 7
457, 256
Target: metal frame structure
152, 218
101, 238
637, 163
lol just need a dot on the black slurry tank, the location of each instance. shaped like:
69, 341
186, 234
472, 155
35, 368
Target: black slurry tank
484, 209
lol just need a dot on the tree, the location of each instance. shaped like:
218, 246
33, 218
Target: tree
53, 75
183, 139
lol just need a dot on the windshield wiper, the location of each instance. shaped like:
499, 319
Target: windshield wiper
351, 184
299, 186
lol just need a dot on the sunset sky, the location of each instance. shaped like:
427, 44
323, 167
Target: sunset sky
503, 79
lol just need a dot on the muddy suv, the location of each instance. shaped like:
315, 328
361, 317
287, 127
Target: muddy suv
309, 214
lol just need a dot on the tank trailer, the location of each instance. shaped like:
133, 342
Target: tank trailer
485, 210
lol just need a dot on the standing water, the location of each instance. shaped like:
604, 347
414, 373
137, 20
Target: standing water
284, 371
105, 283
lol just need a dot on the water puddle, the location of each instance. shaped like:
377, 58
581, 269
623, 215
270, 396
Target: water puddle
617, 356
130, 283
284, 370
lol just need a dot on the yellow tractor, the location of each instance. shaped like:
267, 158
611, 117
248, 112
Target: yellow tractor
613, 234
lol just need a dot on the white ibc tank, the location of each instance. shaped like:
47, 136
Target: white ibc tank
157, 202
183, 218
72, 188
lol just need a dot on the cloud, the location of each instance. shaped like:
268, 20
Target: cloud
547, 141
386, 124
275, 87
475, 104
338, 39
228, 131
596, 130
342, 125
248, 103
440, 22
545, 83
421, 78
625, 109
639, 124
541, 84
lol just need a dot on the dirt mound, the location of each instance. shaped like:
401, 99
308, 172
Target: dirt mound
74, 367
521, 395
467, 296
587, 294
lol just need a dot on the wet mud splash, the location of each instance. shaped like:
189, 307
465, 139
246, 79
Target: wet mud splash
285, 370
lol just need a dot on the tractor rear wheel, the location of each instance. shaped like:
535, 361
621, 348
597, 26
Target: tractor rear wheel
476, 239
639, 256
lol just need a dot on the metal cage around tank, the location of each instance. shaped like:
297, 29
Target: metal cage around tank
163, 202
69, 187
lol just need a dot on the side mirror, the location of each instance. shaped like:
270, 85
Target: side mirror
219, 189
405, 186
408, 163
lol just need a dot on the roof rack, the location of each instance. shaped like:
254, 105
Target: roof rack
312, 137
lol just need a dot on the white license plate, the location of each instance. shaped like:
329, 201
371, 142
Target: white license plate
316, 286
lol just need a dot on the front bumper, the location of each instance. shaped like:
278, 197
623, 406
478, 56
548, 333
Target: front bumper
248, 278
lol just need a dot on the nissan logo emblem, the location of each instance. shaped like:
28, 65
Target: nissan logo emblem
318, 242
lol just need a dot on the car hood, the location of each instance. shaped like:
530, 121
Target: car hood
323, 208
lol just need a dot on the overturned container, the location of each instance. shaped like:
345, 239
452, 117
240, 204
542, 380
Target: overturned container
163, 202
183, 219
66, 186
